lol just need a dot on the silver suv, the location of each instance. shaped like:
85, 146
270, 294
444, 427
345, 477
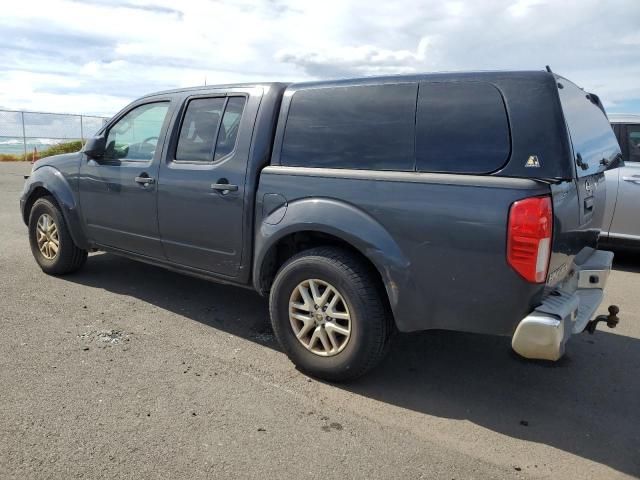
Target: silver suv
621, 225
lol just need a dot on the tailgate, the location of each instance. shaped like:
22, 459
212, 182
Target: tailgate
579, 204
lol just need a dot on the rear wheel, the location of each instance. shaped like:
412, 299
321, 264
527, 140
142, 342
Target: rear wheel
51, 242
328, 314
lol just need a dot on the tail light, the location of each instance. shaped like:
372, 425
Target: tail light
529, 237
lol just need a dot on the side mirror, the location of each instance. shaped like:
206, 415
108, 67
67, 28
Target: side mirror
95, 147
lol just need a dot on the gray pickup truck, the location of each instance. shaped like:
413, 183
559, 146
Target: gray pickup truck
466, 201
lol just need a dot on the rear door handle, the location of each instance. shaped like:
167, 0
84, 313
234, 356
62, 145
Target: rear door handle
632, 179
145, 180
224, 188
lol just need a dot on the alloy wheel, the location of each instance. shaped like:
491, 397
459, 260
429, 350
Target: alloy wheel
47, 236
319, 317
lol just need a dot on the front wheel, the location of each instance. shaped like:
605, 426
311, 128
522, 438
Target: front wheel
51, 242
328, 314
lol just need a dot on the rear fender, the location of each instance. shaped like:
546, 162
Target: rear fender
347, 223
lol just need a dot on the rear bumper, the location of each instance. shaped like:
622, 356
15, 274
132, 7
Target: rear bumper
565, 311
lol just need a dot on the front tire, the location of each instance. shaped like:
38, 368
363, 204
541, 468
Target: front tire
328, 313
50, 240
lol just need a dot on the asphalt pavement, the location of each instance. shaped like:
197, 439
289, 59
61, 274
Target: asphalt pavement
125, 370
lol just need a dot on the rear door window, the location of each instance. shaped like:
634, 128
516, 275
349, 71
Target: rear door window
209, 129
359, 127
461, 127
199, 129
228, 133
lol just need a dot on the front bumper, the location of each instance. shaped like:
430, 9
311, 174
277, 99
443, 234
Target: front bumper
565, 311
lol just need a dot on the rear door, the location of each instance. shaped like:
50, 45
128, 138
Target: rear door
201, 188
626, 215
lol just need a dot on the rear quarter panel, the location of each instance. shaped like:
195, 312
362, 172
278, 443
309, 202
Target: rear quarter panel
446, 267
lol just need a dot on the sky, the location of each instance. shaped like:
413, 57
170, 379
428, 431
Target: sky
95, 56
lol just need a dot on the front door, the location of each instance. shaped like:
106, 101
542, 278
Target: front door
202, 183
118, 191
626, 216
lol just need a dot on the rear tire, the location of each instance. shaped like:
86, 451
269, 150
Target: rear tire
50, 240
347, 304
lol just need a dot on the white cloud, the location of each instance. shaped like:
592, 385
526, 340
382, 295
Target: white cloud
521, 8
97, 55
365, 59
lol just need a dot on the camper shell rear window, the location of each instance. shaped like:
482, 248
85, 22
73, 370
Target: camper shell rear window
593, 142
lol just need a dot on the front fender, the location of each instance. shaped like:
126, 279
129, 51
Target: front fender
53, 181
350, 224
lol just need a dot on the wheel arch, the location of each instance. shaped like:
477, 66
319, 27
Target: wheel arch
48, 181
314, 222
37, 193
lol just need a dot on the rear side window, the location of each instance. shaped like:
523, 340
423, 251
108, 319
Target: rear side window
209, 129
359, 127
590, 131
461, 128
633, 138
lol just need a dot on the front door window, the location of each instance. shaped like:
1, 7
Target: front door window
135, 136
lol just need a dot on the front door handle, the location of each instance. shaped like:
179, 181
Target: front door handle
145, 180
632, 179
224, 188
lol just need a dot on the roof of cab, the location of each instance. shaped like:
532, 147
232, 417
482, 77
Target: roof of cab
208, 88
445, 76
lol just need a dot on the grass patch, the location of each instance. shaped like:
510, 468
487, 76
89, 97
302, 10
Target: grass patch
64, 147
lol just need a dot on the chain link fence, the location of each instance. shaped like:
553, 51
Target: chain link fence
29, 135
